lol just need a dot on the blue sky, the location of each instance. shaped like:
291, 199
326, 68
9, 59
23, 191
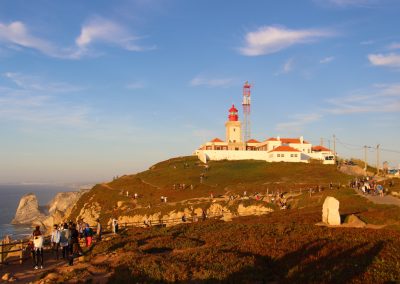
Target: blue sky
94, 89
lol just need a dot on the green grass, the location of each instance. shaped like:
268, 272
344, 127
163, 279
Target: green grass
222, 177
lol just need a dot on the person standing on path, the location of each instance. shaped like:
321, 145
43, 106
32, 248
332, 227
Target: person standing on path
38, 247
55, 240
98, 230
64, 236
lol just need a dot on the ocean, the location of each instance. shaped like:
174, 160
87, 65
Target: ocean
10, 196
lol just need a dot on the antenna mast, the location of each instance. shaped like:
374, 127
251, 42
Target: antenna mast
246, 112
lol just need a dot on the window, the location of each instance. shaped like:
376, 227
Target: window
282, 155
234, 129
295, 155
278, 155
292, 155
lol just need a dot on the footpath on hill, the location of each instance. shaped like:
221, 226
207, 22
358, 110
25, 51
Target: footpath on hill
386, 199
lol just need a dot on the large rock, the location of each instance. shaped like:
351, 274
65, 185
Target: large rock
90, 213
63, 200
330, 211
28, 211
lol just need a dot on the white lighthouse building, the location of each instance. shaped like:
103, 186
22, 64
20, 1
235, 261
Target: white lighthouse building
274, 149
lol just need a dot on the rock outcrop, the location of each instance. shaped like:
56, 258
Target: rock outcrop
90, 212
330, 211
63, 200
28, 211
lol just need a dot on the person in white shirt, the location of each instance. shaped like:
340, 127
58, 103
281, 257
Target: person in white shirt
55, 240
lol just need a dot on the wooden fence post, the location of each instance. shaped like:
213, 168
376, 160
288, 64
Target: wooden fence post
1, 252
21, 252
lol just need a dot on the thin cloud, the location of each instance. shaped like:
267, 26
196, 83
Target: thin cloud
327, 60
386, 60
34, 83
17, 36
395, 45
135, 85
349, 3
100, 30
298, 123
381, 99
271, 39
37, 104
211, 82
287, 67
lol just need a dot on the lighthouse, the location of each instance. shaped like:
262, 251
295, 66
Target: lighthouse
234, 130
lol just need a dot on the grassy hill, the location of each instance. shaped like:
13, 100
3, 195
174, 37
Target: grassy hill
219, 178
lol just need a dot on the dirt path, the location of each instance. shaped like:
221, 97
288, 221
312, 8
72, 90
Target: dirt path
25, 272
387, 199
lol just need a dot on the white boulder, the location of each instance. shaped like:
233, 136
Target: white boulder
330, 211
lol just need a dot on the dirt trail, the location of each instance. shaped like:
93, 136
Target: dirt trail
387, 199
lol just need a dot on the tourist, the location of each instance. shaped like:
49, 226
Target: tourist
99, 229
184, 218
55, 239
88, 233
75, 240
64, 237
114, 225
204, 215
135, 195
38, 247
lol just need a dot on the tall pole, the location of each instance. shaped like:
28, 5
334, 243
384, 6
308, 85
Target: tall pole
321, 142
365, 159
377, 159
334, 146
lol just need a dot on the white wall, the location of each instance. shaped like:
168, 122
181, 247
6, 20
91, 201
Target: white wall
215, 155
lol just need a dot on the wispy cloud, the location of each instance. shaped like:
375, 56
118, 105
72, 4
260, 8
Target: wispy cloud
298, 122
367, 42
350, 3
380, 99
31, 102
326, 59
34, 83
394, 45
95, 31
211, 82
287, 67
100, 30
135, 85
271, 39
386, 60
17, 34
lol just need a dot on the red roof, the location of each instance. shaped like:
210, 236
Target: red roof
284, 149
233, 109
319, 148
288, 140
216, 140
253, 141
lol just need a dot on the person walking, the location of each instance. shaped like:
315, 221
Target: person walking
38, 247
55, 240
99, 230
88, 232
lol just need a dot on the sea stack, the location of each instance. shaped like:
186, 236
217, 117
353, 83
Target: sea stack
28, 211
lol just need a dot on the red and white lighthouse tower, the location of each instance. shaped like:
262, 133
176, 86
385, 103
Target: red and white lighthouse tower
246, 112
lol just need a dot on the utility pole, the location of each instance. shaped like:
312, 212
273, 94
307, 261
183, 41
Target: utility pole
334, 146
365, 159
377, 159
321, 141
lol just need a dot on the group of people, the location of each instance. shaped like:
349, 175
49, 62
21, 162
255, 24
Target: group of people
65, 237
368, 186
182, 186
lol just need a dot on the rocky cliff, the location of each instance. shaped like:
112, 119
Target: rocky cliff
28, 211
58, 209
